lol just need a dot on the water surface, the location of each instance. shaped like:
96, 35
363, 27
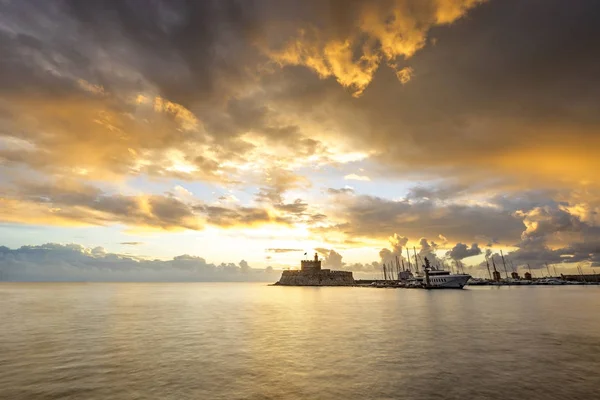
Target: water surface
252, 341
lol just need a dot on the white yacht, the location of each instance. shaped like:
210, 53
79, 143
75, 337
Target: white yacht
439, 278
444, 279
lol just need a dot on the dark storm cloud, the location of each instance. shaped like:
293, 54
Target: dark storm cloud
72, 262
511, 78
496, 83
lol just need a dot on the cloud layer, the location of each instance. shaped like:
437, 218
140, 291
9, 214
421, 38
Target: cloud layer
463, 125
56, 262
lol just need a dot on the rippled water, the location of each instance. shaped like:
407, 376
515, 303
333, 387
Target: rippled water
251, 341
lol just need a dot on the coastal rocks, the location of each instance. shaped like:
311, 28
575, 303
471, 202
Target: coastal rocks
323, 277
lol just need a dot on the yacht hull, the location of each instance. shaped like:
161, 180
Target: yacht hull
447, 281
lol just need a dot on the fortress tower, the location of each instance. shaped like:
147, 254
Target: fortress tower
311, 265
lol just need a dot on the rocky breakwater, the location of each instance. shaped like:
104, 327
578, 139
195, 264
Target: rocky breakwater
321, 277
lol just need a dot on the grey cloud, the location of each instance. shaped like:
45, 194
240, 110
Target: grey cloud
397, 244
473, 102
428, 249
297, 207
56, 262
461, 251
343, 191
227, 217
372, 216
554, 235
333, 259
80, 203
71, 201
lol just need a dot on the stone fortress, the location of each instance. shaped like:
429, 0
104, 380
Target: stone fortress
311, 274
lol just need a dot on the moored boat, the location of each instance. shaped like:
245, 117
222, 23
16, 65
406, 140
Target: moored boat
438, 279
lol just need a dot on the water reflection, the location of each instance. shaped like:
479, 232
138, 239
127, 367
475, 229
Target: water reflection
230, 341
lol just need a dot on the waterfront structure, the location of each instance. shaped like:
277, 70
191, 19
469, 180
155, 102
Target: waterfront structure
581, 278
311, 274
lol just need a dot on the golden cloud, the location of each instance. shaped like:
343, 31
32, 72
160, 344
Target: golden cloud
383, 31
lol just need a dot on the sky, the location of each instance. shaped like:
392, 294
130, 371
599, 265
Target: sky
247, 133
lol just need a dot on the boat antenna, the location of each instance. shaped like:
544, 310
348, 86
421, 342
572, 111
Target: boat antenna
504, 263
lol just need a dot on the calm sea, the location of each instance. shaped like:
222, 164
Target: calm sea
252, 341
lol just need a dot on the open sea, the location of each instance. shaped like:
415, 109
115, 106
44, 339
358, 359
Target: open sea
253, 341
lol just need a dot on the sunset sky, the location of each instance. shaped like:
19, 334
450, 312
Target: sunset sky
261, 130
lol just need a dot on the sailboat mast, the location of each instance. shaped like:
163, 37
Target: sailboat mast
416, 259
408, 259
488, 267
548, 269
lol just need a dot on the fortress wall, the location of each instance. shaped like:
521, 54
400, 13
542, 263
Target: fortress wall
316, 278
